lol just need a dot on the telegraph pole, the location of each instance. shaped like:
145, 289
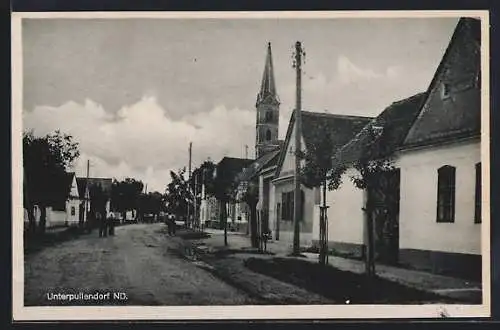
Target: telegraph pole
298, 134
188, 222
87, 194
195, 215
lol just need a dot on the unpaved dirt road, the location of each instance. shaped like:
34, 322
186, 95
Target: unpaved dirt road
138, 262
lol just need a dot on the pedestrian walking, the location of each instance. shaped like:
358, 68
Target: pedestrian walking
111, 224
101, 220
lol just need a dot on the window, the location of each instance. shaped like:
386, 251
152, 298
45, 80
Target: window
477, 209
268, 135
269, 116
73, 211
445, 92
446, 194
287, 202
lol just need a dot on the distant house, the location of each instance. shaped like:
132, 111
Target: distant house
281, 196
251, 175
433, 198
227, 171
63, 209
85, 188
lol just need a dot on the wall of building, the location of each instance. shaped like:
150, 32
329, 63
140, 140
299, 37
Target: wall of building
55, 218
286, 227
345, 215
73, 219
418, 226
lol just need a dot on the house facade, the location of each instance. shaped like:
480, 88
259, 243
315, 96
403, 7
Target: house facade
63, 210
341, 129
441, 220
432, 196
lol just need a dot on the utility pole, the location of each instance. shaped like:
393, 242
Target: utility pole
87, 193
188, 222
298, 134
195, 215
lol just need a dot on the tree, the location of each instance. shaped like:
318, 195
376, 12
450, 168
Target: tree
177, 195
319, 172
125, 195
251, 198
223, 187
372, 167
151, 203
45, 160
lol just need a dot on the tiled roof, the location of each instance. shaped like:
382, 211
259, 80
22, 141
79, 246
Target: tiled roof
392, 126
341, 128
254, 168
452, 108
105, 184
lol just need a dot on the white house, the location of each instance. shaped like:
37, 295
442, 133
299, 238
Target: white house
433, 196
341, 129
64, 209
380, 140
440, 163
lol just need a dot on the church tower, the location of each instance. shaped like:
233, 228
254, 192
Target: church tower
267, 110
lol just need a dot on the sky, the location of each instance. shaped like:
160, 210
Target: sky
134, 92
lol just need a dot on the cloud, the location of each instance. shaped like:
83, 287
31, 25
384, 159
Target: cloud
348, 72
141, 141
349, 88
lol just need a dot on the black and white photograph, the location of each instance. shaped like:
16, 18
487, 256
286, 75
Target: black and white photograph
306, 165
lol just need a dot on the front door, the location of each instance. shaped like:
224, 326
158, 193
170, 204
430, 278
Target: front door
386, 216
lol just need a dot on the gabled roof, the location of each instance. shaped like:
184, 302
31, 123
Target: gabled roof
452, 108
268, 84
251, 171
105, 183
342, 127
390, 129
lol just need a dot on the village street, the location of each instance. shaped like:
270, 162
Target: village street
140, 261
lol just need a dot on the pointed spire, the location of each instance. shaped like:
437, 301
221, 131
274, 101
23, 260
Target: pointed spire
268, 86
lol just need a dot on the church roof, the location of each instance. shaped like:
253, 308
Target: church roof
452, 108
342, 129
268, 84
390, 129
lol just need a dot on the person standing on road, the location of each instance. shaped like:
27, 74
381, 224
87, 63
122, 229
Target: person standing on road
111, 224
101, 220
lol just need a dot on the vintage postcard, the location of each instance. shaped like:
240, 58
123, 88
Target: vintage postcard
250, 165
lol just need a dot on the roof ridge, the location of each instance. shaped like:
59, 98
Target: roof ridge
334, 115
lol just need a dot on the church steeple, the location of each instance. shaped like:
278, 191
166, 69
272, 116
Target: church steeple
267, 110
268, 85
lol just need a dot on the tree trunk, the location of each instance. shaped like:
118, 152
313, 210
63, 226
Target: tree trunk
322, 230
369, 235
253, 225
224, 220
